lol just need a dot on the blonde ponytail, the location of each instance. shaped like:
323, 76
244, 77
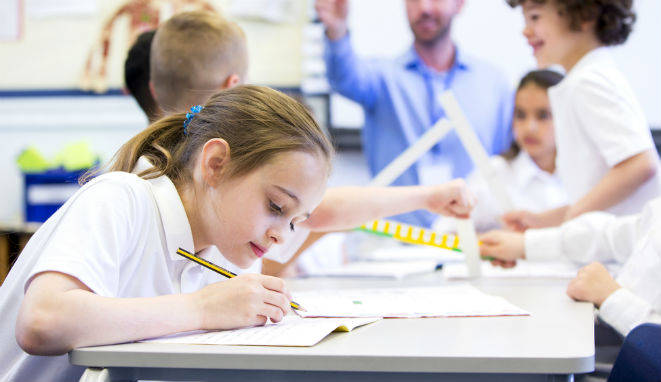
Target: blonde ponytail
257, 123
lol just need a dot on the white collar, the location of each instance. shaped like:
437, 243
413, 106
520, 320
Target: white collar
600, 56
178, 233
595, 56
526, 170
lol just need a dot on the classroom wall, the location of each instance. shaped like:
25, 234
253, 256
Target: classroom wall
51, 52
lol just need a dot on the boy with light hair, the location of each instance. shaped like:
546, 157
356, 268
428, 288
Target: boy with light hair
193, 55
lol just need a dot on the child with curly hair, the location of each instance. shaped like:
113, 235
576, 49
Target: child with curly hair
606, 157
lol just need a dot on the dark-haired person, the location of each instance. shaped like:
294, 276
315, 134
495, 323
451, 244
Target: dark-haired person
529, 165
400, 96
606, 156
136, 74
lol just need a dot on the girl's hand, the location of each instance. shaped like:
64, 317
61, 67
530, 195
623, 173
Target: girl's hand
504, 247
593, 283
451, 199
245, 300
333, 13
519, 221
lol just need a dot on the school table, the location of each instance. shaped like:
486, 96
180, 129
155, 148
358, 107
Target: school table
553, 344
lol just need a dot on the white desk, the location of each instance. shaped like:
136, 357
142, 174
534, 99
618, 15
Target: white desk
554, 343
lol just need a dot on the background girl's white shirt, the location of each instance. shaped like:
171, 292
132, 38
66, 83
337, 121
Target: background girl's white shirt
633, 240
529, 187
118, 235
598, 124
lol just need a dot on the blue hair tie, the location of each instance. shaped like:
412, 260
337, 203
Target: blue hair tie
189, 116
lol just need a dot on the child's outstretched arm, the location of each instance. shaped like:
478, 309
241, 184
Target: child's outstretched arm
349, 207
59, 313
619, 182
521, 220
344, 208
595, 236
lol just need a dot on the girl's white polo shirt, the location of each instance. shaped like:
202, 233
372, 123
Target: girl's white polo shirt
529, 187
118, 235
598, 124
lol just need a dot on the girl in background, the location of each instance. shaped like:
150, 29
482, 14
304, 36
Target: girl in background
528, 168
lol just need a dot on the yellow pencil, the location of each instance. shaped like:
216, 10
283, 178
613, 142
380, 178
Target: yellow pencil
220, 270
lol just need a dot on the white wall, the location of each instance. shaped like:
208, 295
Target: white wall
52, 51
491, 30
49, 123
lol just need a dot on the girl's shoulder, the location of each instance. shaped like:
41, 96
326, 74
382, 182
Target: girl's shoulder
598, 77
118, 180
116, 186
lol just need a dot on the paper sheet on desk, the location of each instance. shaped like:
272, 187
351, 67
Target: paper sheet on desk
292, 331
413, 253
393, 269
441, 301
523, 269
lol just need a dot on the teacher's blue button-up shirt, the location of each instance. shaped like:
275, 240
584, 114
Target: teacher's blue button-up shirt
400, 100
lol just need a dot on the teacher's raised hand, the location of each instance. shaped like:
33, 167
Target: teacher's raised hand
333, 13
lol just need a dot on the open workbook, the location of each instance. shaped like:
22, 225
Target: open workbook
291, 331
345, 309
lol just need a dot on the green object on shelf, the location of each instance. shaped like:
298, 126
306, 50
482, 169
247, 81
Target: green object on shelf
31, 161
76, 156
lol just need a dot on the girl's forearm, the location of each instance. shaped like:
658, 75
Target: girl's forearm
349, 207
552, 218
59, 322
618, 183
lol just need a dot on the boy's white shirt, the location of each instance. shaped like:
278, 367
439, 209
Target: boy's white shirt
633, 240
118, 235
598, 124
529, 188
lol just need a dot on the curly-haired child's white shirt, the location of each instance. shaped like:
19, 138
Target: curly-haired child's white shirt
598, 124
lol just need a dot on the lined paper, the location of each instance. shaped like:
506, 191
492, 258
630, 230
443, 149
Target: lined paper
291, 331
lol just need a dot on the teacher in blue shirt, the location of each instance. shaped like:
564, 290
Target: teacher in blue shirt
400, 96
